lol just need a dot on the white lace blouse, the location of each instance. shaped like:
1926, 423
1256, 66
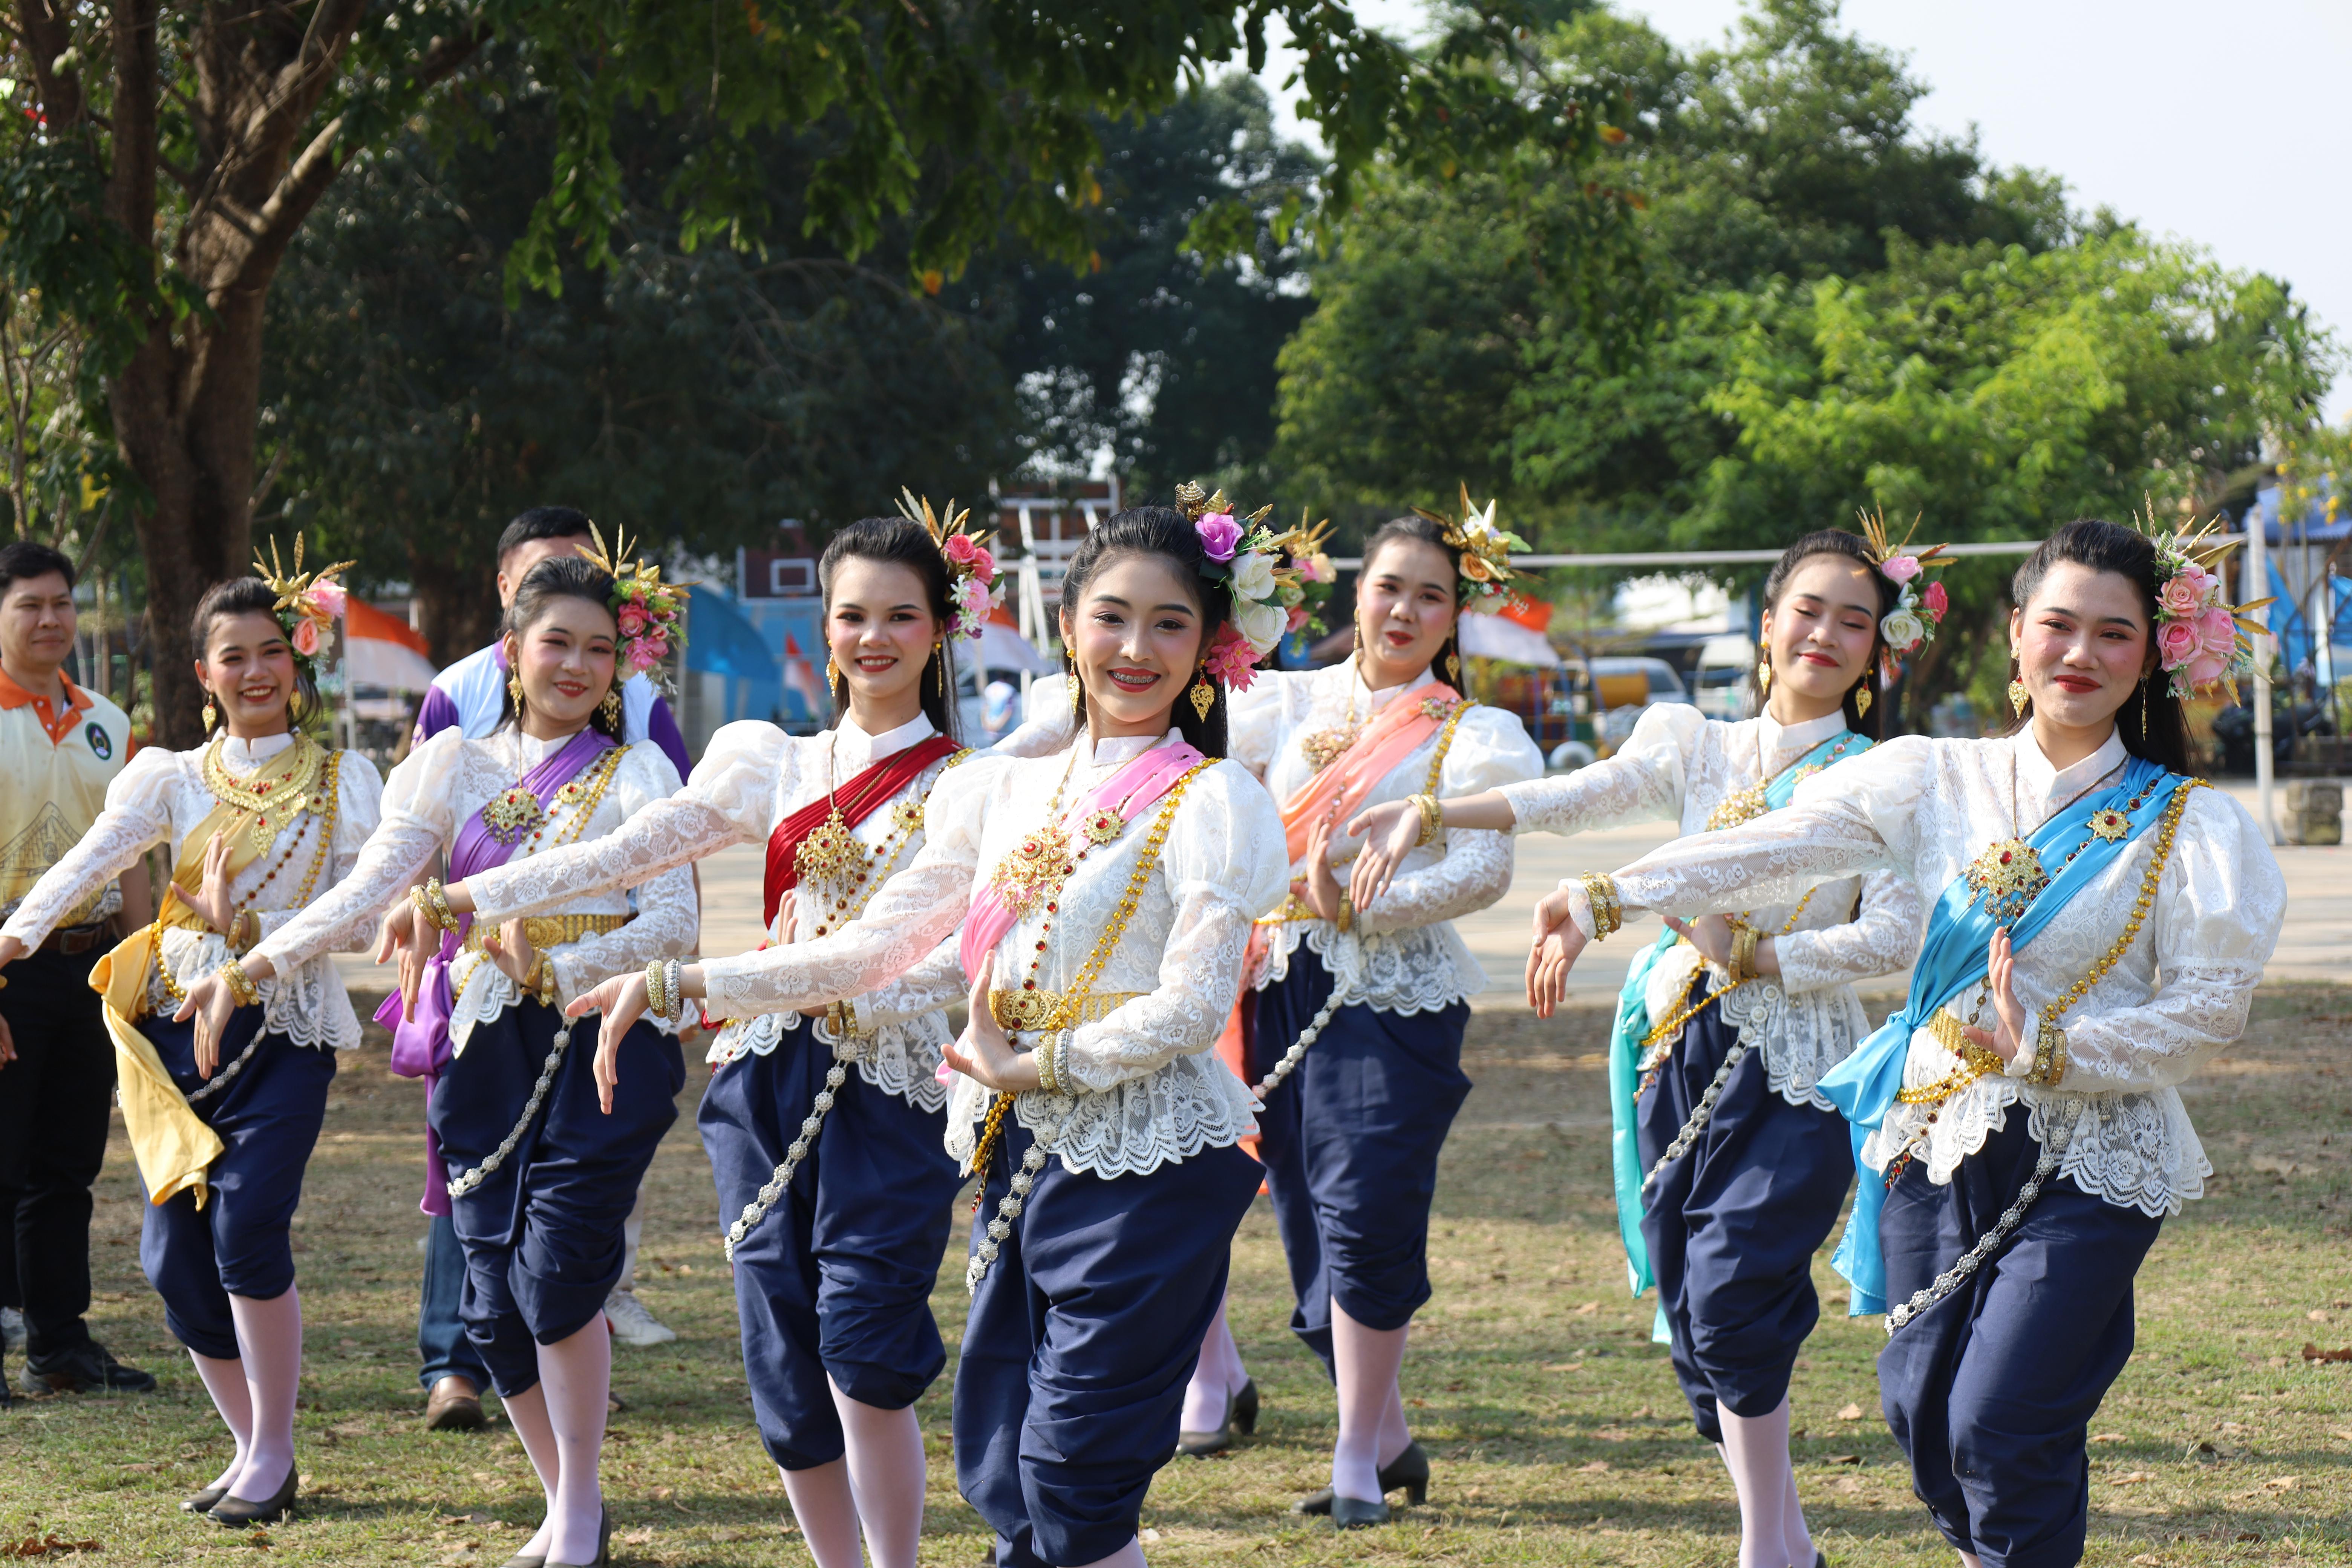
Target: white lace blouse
1413, 961
1680, 765
753, 777
2179, 995
427, 801
158, 797
1152, 1090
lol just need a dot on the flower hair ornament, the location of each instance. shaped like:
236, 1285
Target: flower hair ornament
309, 603
1486, 550
972, 592
646, 609
1920, 605
1275, 580
2202, 640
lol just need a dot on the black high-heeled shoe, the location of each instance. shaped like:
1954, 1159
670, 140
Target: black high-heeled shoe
1241, 1415
202, 1502
1408, 1473
1353, 1513
236, 1512
603, 1545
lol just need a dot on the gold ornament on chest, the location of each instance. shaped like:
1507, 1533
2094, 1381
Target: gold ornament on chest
511, 813
1033, 873
831, 851
2007, 876
2111, 825
1739, 806
1102, 825
1325, 747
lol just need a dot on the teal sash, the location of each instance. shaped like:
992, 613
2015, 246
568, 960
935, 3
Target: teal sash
1632, 1027
1953, 959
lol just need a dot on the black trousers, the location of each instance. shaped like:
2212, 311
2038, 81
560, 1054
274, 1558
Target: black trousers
54, 1104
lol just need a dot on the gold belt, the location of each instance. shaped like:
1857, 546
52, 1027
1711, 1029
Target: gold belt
1293, 909
1035, 1010
1976, 1062
544, 931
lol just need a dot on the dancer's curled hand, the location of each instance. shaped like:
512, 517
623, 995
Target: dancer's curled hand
982, 1051
2001, 980
1390, 832
1557, 941
622, 1000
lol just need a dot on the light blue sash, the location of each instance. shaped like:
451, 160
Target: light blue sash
1953, 959
1632, 1027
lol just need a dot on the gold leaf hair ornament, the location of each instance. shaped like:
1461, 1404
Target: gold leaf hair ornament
1486, 548
2201, 639
309, 603
647, 610
973, 592
1920, 605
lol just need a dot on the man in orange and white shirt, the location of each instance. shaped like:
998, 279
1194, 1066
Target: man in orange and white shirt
60, 747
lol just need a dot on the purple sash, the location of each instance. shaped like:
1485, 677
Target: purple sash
420, 1046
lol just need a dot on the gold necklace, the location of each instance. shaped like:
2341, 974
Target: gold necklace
1326, 746
273, 803
831, 851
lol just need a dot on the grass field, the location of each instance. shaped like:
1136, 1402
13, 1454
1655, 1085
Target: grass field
1554, 1425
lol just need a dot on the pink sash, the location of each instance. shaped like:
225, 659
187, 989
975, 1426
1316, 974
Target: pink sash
1131, 790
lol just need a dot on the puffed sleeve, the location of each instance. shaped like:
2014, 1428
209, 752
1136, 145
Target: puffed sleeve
1491, 751
908, 918
667, 915
727, 801
137, 818
417, 820
1047, 722
2219, 908
359, 810
1883, 938
1256, 720
1844, 821
1224, 864
1645, 780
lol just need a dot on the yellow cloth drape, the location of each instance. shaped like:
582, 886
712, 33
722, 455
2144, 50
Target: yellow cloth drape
170, 1141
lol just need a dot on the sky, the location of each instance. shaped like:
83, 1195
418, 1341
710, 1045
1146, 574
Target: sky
2211, 124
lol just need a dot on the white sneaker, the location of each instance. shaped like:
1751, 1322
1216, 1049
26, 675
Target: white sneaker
632, 1324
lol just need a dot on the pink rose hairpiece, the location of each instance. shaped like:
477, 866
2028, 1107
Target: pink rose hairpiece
1486, 550
309, 603
1266, 585
2201, 639
1920, 605
972, 569
649, 613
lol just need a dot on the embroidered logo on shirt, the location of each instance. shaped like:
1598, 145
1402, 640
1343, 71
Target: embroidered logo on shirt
99, 740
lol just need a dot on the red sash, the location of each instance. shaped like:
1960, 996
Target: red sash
859, 798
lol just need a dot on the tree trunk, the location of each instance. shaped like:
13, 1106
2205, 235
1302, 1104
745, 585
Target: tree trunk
457, 608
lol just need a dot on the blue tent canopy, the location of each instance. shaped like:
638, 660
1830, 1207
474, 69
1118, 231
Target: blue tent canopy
2291, 616
720, 640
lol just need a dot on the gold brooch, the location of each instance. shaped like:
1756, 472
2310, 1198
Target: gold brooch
829, 852
2009, 876
1740, 806
2110, 825
905, 816
1033, 872
1102, 827
1326, 746
510, 814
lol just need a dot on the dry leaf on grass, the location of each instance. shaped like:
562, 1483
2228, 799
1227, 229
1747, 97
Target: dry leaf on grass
2310, 1352
2107, 1437
1596, 1467
1851, 1412
2132, 1478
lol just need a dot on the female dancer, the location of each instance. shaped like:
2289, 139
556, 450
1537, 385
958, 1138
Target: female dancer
260, 819
1350, 1137
1731, 1166
539, 1180
1106, 898
2103, 924
833, 1280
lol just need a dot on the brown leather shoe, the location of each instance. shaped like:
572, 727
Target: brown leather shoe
455, 1405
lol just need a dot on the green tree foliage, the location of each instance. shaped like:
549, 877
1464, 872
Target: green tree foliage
1152, 350
697, 397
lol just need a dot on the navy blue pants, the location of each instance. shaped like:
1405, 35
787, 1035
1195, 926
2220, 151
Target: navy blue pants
1991, 1391
1732, 1226
240, 1243
836, 1277
1351, 1141
1080, 1343
542, 1232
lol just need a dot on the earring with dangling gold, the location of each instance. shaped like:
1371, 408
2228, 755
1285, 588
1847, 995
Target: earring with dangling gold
1204, 695
1764, 670
1861, 697
211, 714
611, 706
1453, 668
1077, 695
2143, 712
833, 678
939, 659
2018, 697
514, 692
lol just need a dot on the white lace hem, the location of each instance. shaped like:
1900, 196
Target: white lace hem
896, 1059
484, 993
309, 1006
1424, 969
1192, 1103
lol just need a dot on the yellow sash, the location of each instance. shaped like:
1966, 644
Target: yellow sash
170, 1141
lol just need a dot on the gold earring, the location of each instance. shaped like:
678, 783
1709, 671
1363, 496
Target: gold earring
514, 691
833, 678
1861, 697
1764, 676
940, 659
1204, 694
211, 714
612, 705
1453, 667
2018, 697
1077, 695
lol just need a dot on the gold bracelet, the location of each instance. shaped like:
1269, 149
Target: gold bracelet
1433, 818
1607, 912
432, 902
241, 988
1049, 1075
2049, 1056
656, 993
1743, 955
